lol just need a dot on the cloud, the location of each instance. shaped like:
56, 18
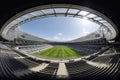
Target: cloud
59, 37
85, 32
56, 38
65, 39
60, 34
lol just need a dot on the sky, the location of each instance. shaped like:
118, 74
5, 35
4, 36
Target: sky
59, 28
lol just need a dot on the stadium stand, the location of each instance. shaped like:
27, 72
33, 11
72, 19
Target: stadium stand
103, 65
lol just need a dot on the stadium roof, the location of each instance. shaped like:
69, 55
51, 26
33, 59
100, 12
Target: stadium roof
66, 10
109, 10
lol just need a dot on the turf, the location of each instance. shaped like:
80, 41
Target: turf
59, 52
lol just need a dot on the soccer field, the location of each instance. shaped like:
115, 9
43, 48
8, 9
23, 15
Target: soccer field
59, 52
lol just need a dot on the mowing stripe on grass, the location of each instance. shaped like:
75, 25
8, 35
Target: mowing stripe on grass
59, 52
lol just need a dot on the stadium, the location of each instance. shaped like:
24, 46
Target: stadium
94, 56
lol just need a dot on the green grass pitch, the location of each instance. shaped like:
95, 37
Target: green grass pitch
59, 52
